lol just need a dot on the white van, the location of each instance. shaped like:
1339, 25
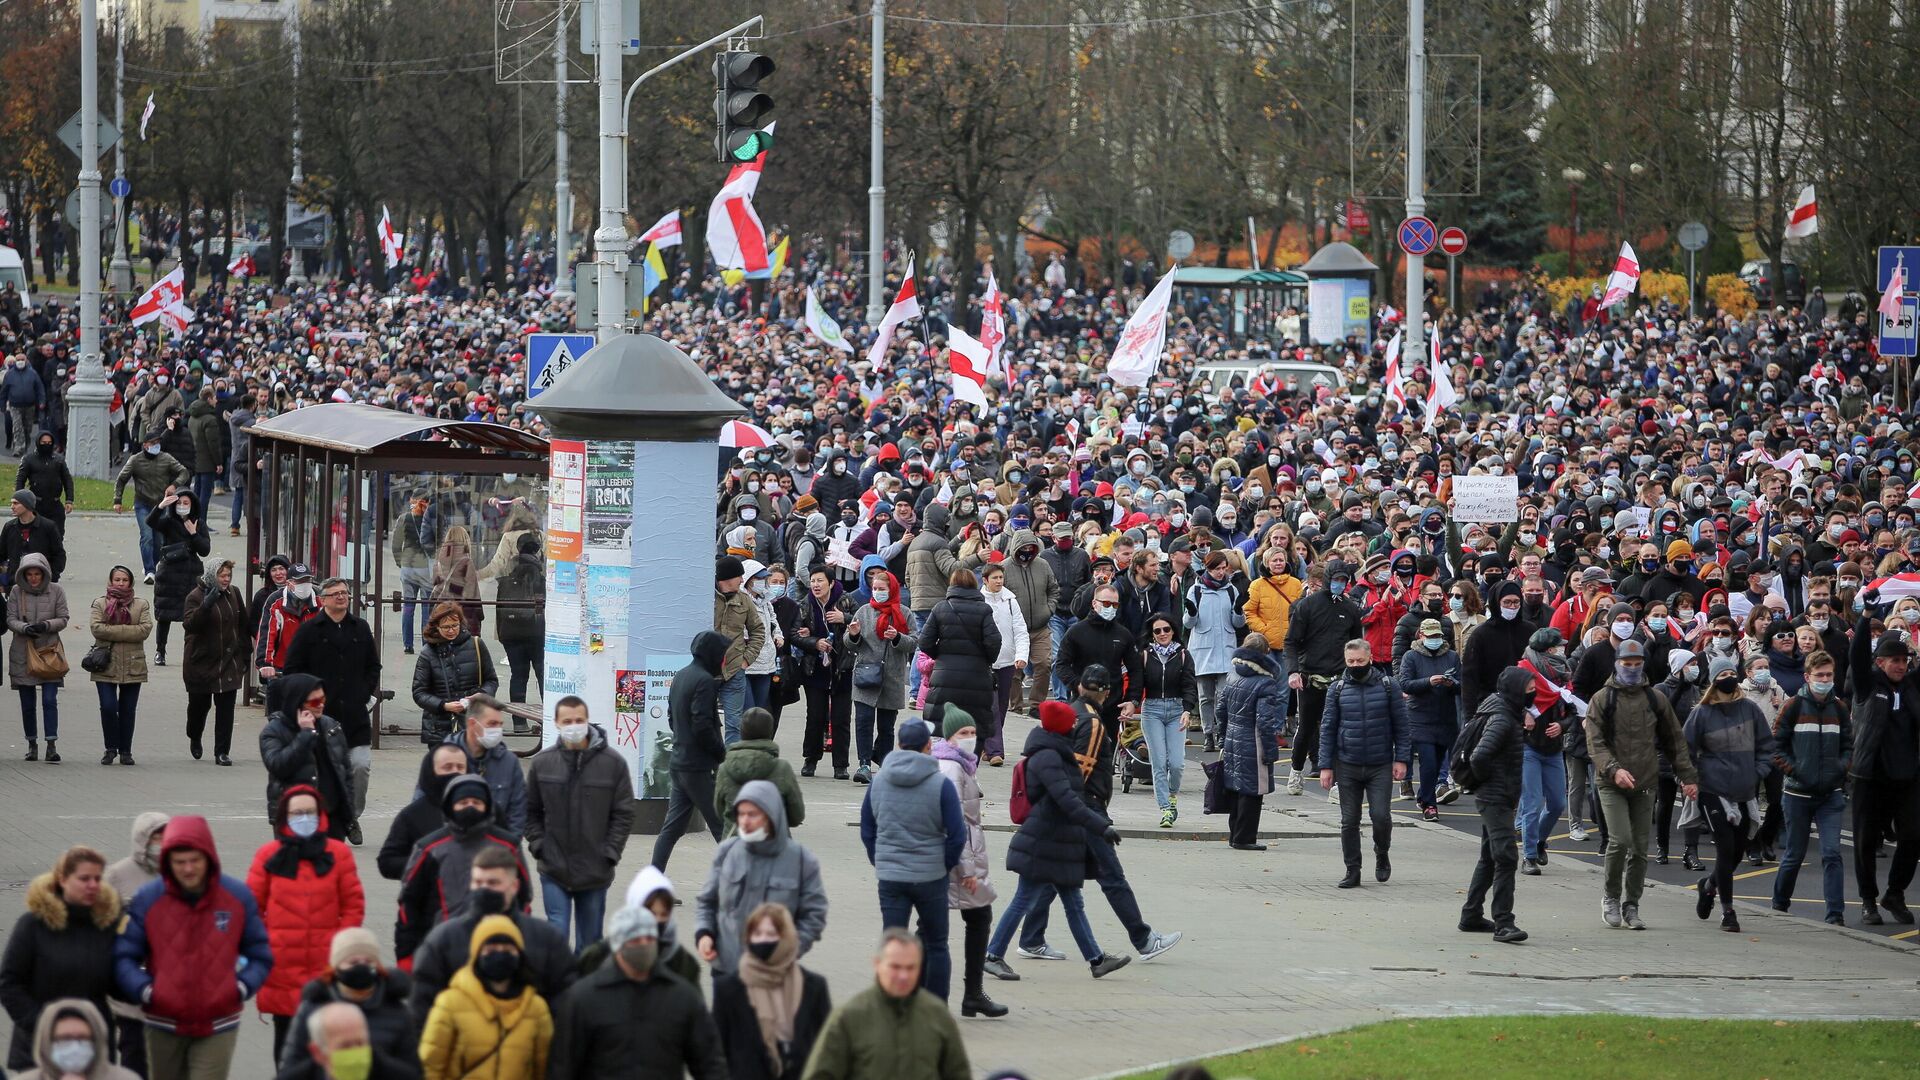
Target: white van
14, 269
1222, 375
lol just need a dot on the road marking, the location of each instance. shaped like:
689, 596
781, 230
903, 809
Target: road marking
1756, 873
1906, 935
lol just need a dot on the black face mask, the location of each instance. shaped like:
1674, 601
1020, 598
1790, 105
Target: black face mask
1436, 607
488, 901
468, 816
1359, 672
497, 966
762, 950
357, 976
46, 449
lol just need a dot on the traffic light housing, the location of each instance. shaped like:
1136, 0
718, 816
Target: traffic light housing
739, 108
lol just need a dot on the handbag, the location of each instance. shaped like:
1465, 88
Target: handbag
1214, 799
46, 663
98, 658
869, 674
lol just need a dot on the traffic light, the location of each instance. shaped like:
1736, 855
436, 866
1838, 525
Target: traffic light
739, 108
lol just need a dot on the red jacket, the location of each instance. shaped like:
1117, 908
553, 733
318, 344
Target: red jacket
277, 628
191, 961
303, 912
1383, 609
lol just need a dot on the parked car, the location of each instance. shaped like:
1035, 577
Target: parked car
1222, 375
13, 268
1756, 272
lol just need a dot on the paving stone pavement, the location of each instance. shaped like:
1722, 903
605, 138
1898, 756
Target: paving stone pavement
1272, 949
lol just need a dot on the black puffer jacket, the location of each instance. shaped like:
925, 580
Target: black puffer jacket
1051, 846
962, 639
1493, 647
294, 755
448, 671
390, 1030
1499, 756
693, 705
179, 552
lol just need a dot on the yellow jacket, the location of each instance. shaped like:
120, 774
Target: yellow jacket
1270, 606
472, 1035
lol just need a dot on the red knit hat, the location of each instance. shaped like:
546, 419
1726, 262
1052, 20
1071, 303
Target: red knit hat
1057, 717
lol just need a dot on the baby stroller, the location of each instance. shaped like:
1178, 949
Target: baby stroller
1132, 759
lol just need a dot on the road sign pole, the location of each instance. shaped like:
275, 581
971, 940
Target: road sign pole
1691, 294
1416, 168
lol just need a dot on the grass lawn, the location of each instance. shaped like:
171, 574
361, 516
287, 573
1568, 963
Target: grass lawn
89, 494
1602, 1047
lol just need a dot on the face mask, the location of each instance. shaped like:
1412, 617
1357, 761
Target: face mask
492, 737
1509, 613
1106, 611
1796, 521
357, 976
1629, 676
153, 451
1820, 688
1337, 588
469, 816
1818, 624
303, 825
640, 954
71, 1055
967, 743
763, 950
497, 966
573, 734
1456, 605
46, 448
1315, 487
1650, 565
882, 594
1255, 491
839, 468
1435, 644
1726, 683
182, 509
1762, 679
748, 513
303, 590
755, 836
1226, 521
1064, 543
1655, 623
351, 1063
1359, 672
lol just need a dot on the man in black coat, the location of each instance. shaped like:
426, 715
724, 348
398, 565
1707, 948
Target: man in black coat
44, 472
1497, 763
492, 889
337, 647
1100, 639
28, 533
631, 1018
1493, 647
1317, 634
693, 710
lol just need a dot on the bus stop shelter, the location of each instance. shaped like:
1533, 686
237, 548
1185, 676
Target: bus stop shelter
359, 492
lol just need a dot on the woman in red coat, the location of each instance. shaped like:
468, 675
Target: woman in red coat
307, 888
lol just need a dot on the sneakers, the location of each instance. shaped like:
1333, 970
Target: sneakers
1834, 918
1703, 907
149, 579
862, 776
1044, 952
1166, 818
1729, 921
1447, 795
1158, 944
1479, 924
1530, 868
1295, 786
1610, 912
1895, 905
998, 968
1576, 831
1108, 964
1630, 914
1430, 813
1869, 911
1510, 935
354, 836
1333, 795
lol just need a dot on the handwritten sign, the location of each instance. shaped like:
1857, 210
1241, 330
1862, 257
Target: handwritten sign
1486, 499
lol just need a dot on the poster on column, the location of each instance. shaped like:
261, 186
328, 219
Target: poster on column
566, 491
609, 499
641, 731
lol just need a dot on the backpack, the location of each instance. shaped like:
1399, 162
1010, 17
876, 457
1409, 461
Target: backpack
1017, 805
1460, 758
525, 618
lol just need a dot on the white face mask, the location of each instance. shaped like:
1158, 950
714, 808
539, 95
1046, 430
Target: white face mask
1509, 613
492, 736
967, 743
883, 594
1623, 630
754, 836
748, 513
182, 509
303, 590
71, 1055
303, 825
573, 734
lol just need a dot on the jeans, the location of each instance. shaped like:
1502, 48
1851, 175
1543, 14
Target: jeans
49, 695
759, 691
203, 490
1032, 894
1775, 786
119, 702
1166, 746
239, 488
927, 899
913, 669
1494, 873
1631, 815
222, 706
1059, 625
360, 773
873, 732
1433, 758
1113, 882
1543, 794
524, 658
733, 702
1212, 722
22, 418
1375, 782
692, 791
585, 911
149, 556
1801, 813
1875, 804
416, 587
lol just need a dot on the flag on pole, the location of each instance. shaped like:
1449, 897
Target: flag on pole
1891, 300
968, 360
175, 317
117, 412
242, 265
1624, 279
146, 114
823, 326
653, 271
1138, 353
1896, 587
735, 237
906, 305
162, 294
1442, 394
1804, 219
390, 241
1396, 382
665, 232
780, 256
993, 326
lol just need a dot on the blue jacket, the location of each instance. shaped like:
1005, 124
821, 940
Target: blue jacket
1214, 621
1813, 744
910, 820
1365, 723
1255, 712
1433, 711
22, 386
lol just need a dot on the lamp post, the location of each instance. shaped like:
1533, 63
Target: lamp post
1574, 177
120, 271
297, 269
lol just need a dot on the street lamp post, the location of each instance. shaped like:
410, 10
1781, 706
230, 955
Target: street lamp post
120, 271
562, 187
87, 400
1573, 177
877, 179
297, 268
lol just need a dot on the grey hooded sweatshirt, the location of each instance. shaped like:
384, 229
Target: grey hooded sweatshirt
748, 873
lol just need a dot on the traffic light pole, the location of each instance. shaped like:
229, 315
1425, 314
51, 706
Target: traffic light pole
1416, 172
877, 182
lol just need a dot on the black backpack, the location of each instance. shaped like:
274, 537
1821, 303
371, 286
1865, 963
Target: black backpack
1460, 759
525, 620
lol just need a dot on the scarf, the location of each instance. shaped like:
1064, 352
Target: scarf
773, 989
119, 605
1164, 652
295, 850
890, 613
1555, 668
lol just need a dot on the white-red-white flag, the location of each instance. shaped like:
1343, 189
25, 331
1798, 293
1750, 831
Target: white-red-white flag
1804, 218
735, 237
969, 360
146, 114
1441, 395
1624, 279
906, 305
391, 242
1396, 382
993, 326
242, 265
161, 295
1138, 352
665, 233
175, 317
1892, 300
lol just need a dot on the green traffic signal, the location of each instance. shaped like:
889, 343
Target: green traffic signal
739, 107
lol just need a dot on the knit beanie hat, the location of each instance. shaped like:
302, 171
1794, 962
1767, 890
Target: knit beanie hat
953, 720
353, 943
1057, 717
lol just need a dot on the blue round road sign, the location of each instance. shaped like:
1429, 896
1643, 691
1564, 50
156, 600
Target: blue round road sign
1418, 235
119, 187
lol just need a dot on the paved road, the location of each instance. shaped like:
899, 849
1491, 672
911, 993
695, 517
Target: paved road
1272, 948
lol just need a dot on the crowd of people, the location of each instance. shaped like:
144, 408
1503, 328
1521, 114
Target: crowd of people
1697, 613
